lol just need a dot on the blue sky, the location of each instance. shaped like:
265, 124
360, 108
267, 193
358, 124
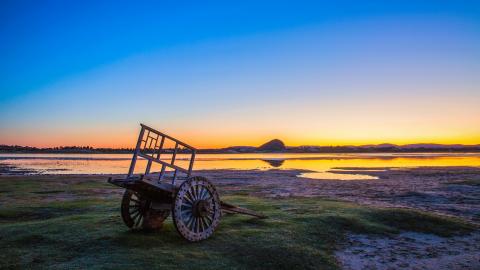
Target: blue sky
218, 74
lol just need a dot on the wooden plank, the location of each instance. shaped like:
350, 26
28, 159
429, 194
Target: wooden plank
167, 136
174, 177
160, 147
137, 151
190, 167
163, 163
162, 173
163, 186
239, 210
149, 165
174, 154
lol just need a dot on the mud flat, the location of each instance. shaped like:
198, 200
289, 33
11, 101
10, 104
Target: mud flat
445, 190
450, 191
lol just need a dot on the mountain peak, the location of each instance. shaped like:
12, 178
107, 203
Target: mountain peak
274, 145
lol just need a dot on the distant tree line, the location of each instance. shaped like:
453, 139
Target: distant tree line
62, 149
251, 149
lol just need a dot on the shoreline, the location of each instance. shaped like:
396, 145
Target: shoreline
466, 150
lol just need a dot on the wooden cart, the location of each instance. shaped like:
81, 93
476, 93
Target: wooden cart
149, 198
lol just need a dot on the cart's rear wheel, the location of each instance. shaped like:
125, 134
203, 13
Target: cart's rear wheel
196, 209
138, 213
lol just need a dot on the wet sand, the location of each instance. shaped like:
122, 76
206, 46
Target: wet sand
442, 190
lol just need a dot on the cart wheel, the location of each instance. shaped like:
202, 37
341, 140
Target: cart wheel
196, 209
136, 209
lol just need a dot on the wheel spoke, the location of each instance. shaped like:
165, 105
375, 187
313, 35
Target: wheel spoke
131, 212
209, 219
136, 215
186, 214
207, 194
195, 190
202, 192
190, 195
134, 211
208, 198
187, 199
190, 223
202, 223
185, 206
131, 202
196, 225
195, 194
137, 223
136, 219
189, 219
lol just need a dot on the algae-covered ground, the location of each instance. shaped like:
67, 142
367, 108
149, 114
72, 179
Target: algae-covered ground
73, 222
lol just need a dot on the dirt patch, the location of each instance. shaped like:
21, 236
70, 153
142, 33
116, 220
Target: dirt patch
7, 169
411, 251
426, 188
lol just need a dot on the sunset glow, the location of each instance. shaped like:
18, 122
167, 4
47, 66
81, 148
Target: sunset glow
217, 76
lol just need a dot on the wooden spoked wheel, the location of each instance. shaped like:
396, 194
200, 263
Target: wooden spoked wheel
137, 211
196, 209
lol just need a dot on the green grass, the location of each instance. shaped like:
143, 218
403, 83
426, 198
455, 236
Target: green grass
87, 233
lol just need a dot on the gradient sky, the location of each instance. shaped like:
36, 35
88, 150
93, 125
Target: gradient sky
227, 73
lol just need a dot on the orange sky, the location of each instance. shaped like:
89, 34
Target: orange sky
216, 76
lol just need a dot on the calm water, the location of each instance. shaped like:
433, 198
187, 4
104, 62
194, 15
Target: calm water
321, 163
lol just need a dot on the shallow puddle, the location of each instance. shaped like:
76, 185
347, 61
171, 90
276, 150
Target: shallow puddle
321, 163
336, 176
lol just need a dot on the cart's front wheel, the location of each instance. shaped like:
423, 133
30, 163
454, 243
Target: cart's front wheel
137, 212
196, 209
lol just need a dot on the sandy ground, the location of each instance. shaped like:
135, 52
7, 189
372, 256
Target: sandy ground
434, 189
411, 251
443, 190
438, 189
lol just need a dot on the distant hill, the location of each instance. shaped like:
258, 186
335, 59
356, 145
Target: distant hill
275, 145
272, 146
386, 147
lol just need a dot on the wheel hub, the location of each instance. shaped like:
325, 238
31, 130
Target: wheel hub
201, 208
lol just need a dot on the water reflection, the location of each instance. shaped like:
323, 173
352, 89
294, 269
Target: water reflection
321, 163
274, 162
336, 176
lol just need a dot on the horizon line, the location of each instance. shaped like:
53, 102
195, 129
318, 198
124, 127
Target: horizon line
236, 146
